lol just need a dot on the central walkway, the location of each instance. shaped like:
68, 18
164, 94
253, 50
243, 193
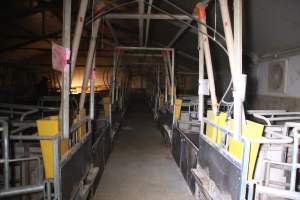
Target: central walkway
140, 166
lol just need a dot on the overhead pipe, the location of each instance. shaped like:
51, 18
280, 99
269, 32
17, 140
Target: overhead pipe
90, 56
77, 34
202, 18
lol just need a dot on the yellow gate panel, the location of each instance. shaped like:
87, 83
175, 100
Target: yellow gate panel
213, 133
178, 104
252, 131
50, 127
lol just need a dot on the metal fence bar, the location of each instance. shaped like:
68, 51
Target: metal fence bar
21, 190
56, 167
5, 149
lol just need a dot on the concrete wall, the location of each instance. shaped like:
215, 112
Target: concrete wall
263, 96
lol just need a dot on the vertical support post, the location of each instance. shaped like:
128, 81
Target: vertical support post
228, 36
118, 83
113, 79
294, 160
202, 17
169, 63
201, 80
237, 94
250, 191
172, 77
148, 22
200, 95
48, 190
92, 90
110, 116
66, 38
141, 21
244, 170
158, 89
166, 84
92, 48
77, 34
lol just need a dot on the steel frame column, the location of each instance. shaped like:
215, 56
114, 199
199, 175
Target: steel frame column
238, 93
234, 48
89, 62
92, 89
200, 94
158, 90
201, 80
228, 36
210, 73
168, 66
57, 168
116, 62
172, 77
112, 90
118, 83
166, 83
148, 22
238, 49
141, 21
66, 40
77, 34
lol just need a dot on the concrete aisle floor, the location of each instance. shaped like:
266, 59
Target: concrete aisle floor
140, 166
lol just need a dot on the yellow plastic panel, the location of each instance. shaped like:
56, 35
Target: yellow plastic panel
50, 127
178, 104
252, 131
106, 102
213, 133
